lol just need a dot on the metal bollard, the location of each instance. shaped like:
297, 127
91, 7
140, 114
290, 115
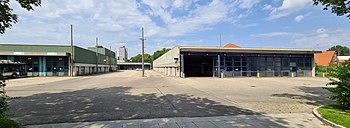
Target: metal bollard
323, 75
258, 75
292, 75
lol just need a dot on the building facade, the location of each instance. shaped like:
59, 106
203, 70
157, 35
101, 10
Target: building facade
123, 54
133, 66
236, 62
55, 60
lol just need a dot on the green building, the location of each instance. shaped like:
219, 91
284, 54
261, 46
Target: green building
55, 60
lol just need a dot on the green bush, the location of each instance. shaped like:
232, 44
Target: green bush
341, 92
326, 70
8, 123
3, 98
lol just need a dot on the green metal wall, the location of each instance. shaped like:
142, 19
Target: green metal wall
34, 48
81, 55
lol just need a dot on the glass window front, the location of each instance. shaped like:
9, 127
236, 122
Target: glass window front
265, 65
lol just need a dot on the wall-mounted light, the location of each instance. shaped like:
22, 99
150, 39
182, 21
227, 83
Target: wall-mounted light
29, 58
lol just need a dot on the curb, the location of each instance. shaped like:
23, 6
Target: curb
318, 116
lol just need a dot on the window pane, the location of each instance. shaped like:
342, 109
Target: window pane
262, 69
269, 63
277, 59
253, 68
300, 64
277, 68
278, 74
237, 59
228, 58
237, 63
253, 74
269, 74
237, 74
244, 59
269, 59
237, 68
269, 68
244, 63
262, 63
253, 63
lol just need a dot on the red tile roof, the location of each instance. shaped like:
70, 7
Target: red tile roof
229, 45
324, 58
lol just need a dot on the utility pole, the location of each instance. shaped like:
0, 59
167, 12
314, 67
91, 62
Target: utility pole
110, 58
96, 55
143, 53
338, 64
72, 51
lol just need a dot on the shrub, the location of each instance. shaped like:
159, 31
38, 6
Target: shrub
7, 123
341, 92
3, 98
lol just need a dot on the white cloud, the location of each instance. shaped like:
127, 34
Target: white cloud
247, 4
322, 39
120, 21
288, 7
273, 34
202, 17
299, 18
319, 39
267, 7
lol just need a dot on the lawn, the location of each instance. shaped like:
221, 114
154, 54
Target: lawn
335, 115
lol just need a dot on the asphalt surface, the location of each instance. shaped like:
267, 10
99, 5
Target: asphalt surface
127, 95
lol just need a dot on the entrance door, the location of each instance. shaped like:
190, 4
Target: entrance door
293, 69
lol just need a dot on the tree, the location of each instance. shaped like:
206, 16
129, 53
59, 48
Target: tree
149, 58
3, 98
338, 7
159, 53
138, 58
344, 51
341, 91
8, 18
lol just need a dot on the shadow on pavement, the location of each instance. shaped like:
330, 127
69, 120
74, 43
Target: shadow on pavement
313, 96
117, 103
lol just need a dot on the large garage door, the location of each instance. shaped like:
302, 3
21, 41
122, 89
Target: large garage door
198, 66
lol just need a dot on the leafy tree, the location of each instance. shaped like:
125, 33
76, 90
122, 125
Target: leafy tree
344, 51
138, 58
159, 53
8, 18
341, 91
338, 7
3, 98
149, 58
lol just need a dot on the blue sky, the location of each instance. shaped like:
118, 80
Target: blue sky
169, 23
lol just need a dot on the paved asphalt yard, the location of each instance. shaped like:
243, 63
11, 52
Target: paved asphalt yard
281, 102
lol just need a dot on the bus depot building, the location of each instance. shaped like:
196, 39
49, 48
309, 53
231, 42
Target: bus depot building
55, 60
133, 65
232, 62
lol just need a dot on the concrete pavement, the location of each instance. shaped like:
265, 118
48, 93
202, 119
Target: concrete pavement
128, 96
295, 120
